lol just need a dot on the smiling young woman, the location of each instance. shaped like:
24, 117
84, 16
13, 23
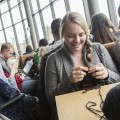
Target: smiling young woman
67, 69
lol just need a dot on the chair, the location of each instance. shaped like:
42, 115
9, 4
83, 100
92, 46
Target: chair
6, 104
12, 101
2, 117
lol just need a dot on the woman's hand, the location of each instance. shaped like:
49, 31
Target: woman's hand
78, 74
98, 71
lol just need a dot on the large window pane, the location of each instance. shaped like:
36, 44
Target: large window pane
3, 7
0, 25
60, 10
20, 32
10, 35
77, 6
104, 7
27, 30
48, 19
23, 10
6, 19
16, 14
13, 3
117, 3
34, 6
21, 36
43, 3
39, 27
2, 38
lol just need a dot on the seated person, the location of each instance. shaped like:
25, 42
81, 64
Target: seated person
28, 49
9, 70
111, 106
79, 64
103, 30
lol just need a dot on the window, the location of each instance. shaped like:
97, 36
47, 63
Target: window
60, 10
2, 38
39, 27
43, 3
6, 19
20, 32
47, 16
104, 7
20, 36
3, 7
16, 15
117, 3
77, 6
13, 3
23, 10
10, 35
34, 6
0, 25
27, 30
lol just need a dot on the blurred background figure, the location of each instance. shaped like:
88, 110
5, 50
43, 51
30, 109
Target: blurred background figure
55, 25
43, 42
45, 111
111, 106
41, 51
28, 49
103, 30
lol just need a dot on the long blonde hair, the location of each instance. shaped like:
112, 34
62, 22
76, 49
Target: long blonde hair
78, 19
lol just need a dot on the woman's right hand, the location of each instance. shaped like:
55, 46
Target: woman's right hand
78, 74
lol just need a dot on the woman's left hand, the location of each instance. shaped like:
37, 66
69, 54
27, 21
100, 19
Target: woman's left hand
98, 71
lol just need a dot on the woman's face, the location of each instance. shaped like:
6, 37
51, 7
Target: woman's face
74, 36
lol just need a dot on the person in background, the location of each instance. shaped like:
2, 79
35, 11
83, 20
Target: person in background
43, 42
39, 53
78, 64
111, 106
28, 49
7, 50
8, 79
103, 30
9, 67
45, 107
55, 25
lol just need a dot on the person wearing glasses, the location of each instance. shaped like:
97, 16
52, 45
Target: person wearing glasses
79, 64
